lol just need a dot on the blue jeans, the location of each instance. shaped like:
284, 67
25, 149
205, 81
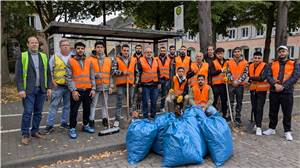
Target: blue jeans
32, 103
121, 95
163, 92
152, 94
58, 94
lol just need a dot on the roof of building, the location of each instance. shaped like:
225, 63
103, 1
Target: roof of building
100, 30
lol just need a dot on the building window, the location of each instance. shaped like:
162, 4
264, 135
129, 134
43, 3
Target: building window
31, 21
257, 50
229, 53
232, 34
260, 32
245, 32
291, 52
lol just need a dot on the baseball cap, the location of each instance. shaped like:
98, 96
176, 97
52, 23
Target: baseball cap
282, 47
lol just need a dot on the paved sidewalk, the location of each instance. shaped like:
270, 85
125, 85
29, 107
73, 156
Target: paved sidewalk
250, 151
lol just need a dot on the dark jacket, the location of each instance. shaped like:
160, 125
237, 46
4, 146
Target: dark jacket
288, 84
31, 75
209, 60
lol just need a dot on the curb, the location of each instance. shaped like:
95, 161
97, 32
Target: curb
67, 155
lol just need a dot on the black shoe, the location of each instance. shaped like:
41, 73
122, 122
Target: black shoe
228, 119
65, 125
48, 129
105, 122
92, 123
238, 121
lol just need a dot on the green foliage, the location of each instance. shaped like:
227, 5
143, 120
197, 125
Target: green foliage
15, 18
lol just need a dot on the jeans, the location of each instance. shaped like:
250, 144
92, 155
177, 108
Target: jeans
258, 100
220, 91
236, 93
149, 93
103, 101
121, 93
86, 100
286, 101
32, 103
58, 94
165, 84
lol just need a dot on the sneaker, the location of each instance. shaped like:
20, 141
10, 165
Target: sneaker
87, 128
105, 122
48, 129
238, 121
38, 135
255, 128
269, 132
73, 133
162, 110
92, 124
288, 136
258, 131
116, 123
25, 140
65, 125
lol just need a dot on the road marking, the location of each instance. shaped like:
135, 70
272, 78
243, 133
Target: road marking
99, 120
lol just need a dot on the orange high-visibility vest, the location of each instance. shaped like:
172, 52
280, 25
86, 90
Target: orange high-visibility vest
178, 87
164, 68
122, 79
219, 79
201, 95
202, 70
185, 63
237, 69
149, 73
288, 69
256, 85
81, 76
102, 72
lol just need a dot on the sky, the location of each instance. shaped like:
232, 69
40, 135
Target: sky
98, 20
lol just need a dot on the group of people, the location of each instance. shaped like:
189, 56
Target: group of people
141, 78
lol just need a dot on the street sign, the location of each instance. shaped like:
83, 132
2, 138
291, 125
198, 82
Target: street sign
179, 18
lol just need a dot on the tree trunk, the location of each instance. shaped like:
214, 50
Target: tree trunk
270, 23
281, 23
214, 36
205, 24
4, 61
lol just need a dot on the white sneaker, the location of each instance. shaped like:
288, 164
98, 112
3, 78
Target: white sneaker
116, 124
254, 128
269, 132
162, 110
288, 136
258, 131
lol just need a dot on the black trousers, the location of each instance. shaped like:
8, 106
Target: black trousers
258, 100
86, 103
285, 100
220, 91
236, 93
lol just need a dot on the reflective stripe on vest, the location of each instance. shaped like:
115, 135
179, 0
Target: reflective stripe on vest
256, 85
218, 79
149, 73
185, 63
288, 69
201, 96
25, 60
202, 70
59, 70
122, 79
177, 87
102, 72
164, 68
81, 75
237, 69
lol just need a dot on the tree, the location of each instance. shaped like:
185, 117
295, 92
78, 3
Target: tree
282, 23
205, 25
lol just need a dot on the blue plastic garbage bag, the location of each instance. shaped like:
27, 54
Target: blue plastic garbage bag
140, 136
193, 111
183, 143
218, 137
162, 122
